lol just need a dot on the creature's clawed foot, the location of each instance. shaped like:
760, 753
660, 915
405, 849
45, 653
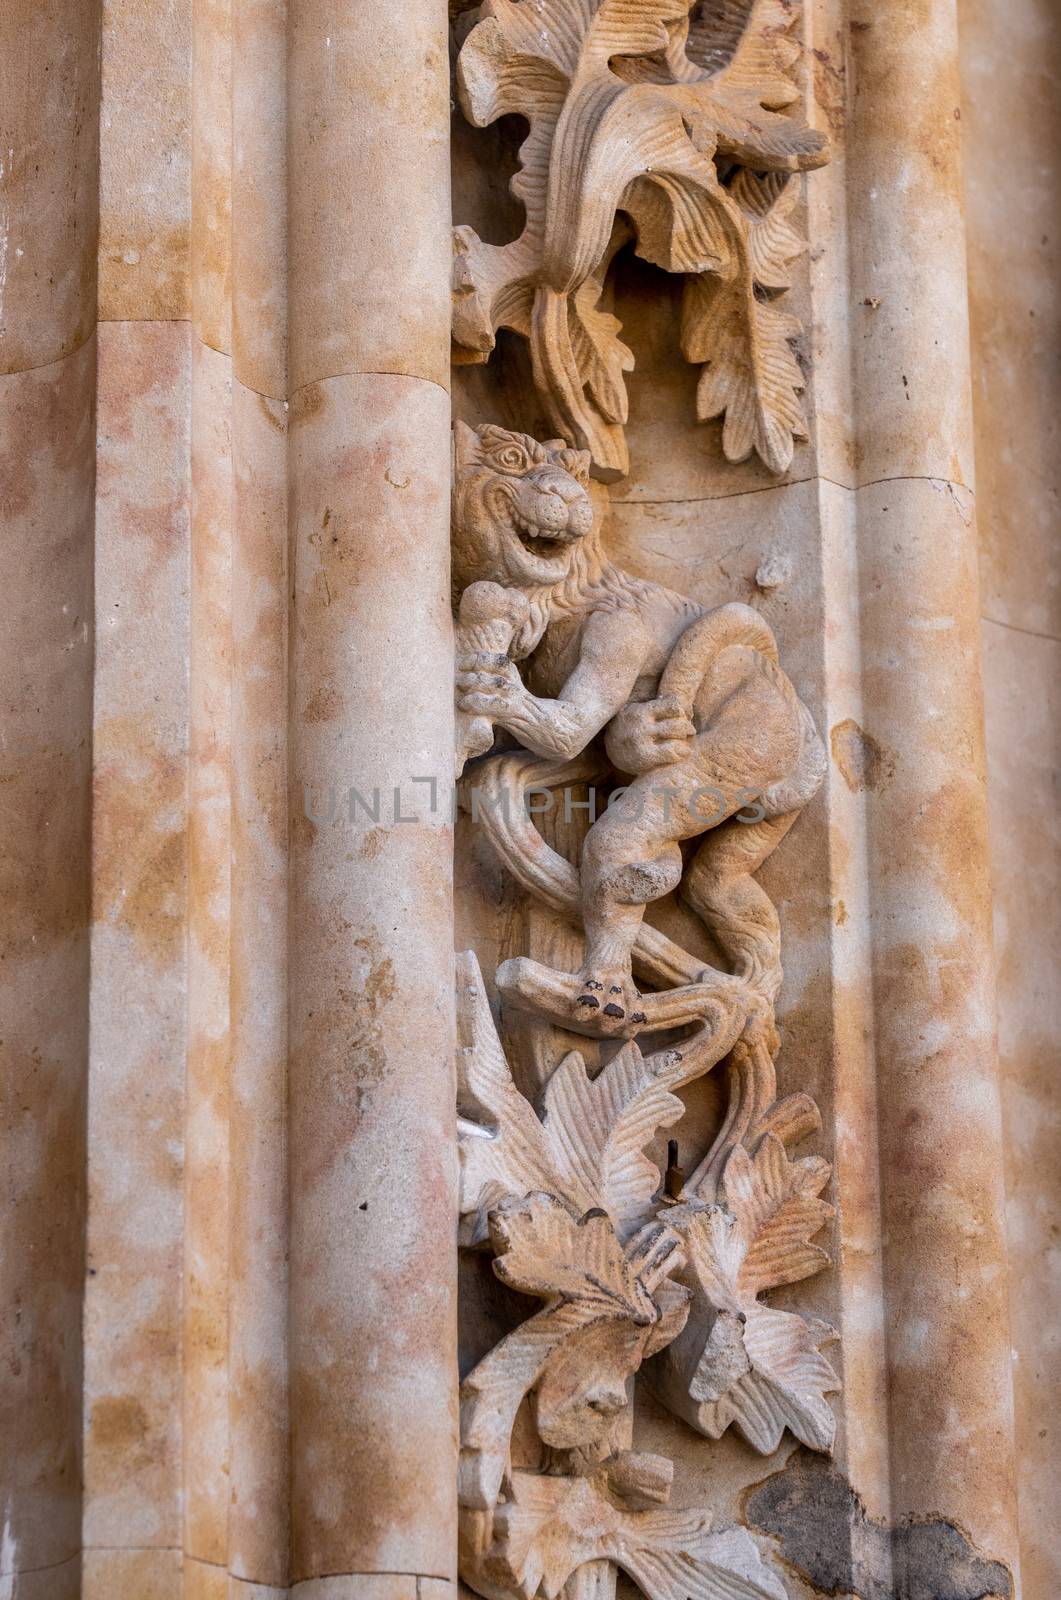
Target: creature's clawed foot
608, 994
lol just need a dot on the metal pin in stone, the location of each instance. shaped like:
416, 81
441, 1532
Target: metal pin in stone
674, 1178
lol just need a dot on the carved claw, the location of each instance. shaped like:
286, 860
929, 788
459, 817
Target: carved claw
566, 1002
611, 998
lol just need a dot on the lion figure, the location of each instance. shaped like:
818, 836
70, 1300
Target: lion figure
695, 712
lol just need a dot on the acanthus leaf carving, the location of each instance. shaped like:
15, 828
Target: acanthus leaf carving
607, 1308
550, 1527
759, 1368
642, 120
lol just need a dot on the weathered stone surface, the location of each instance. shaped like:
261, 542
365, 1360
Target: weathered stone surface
145, 160
369, 211
139, 915
371, 1140
264, 1027
1011, 66
46, 446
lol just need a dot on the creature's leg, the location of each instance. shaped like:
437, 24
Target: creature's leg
740, 915
631, 854
623, 868
719, 883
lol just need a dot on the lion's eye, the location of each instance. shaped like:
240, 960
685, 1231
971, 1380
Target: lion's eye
511, 459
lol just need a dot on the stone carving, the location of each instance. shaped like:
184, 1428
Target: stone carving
550, 1528
663, 121
761, 1368
698, 697
595, 676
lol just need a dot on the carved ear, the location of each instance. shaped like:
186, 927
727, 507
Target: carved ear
577, 462
465, 446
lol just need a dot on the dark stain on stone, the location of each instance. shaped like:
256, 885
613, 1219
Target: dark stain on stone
827, 1537
864, 763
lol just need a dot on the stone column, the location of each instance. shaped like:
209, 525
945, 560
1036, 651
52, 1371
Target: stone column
49, 98
372, 1145
920, 761
1011, 122
258, 1521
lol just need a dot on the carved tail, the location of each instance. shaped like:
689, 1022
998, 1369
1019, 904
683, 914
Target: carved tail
703, 642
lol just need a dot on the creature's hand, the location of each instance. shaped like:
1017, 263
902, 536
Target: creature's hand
489, 685
653, 733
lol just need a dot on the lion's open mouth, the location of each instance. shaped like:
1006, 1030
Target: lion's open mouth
539, 543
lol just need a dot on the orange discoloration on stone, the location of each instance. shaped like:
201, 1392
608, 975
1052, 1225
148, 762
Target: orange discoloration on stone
133, 1292
139, 841
907, 250
1024, 748
147, 1574
324, 704
370, 1069
211, 176
46, 440
206, 1312
1011, 124
259, 198
144, 181
345, 315
258, 1516
119, 1422
49, 134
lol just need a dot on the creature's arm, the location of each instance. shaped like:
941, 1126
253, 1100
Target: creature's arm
614, 646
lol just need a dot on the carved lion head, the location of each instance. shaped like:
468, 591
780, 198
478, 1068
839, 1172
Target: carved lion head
520, 508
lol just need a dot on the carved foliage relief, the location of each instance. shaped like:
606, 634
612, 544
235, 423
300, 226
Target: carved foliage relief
672, 125
664, 122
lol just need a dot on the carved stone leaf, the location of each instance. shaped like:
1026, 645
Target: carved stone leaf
512, 1156
762, 57
587, 1150
607, 1308
750, 375
778, 1210
785, 1385
597, 1130
543, 1251
550, 1527
738, 1361
600, 354
773, 243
